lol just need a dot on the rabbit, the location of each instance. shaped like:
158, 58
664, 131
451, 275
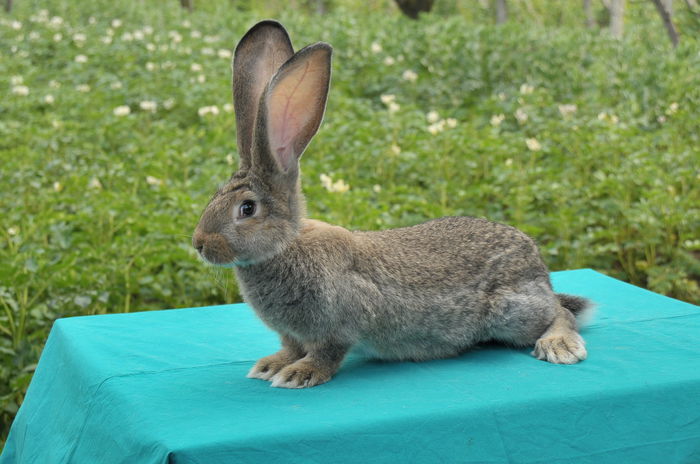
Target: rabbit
417, 293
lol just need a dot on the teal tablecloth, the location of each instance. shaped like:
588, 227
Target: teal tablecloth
170, 386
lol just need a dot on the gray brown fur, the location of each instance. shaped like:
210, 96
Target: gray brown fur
424, 292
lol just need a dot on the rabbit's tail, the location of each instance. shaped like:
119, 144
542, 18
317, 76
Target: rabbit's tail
579, 307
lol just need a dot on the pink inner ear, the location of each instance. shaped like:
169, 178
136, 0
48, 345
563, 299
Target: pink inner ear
291, 105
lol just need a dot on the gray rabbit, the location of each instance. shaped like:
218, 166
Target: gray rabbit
424, 292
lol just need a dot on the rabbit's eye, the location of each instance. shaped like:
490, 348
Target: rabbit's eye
246, 209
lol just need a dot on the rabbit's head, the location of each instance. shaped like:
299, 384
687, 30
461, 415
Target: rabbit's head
279, 99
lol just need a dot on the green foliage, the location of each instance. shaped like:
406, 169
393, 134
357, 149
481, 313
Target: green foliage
588, 144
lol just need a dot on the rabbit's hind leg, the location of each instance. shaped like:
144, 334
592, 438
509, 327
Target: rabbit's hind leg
561, 343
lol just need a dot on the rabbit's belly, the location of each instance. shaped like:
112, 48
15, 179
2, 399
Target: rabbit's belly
420, 347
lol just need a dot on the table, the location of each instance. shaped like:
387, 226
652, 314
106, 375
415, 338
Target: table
170, 387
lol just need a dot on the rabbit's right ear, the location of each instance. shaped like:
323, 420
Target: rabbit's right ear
258, 56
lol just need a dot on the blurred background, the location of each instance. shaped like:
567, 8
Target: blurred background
575, 121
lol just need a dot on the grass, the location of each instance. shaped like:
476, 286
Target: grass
590, 145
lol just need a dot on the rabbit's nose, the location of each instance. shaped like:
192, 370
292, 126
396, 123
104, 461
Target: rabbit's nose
198, 242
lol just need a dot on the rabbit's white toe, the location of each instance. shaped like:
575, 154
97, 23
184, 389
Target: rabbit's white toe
301, 374
561, 349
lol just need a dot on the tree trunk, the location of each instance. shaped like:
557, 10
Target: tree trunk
617, 14
662, 8
588, 11
501, 11
8, 5
411, 8
187, 4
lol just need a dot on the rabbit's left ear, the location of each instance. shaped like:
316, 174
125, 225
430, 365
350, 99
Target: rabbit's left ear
294, 104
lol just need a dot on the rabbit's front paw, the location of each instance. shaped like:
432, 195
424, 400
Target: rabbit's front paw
301, 374
268, 366
561, 349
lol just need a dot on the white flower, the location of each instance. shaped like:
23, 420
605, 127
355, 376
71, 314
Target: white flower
116, 23
393, 107
567, 110
122, 110
376, 188
54, 84
150, 47
339, 186
201, 78
521, 116
432, 117
81, 59
48, 99
12, 231
127, 37
196, 67
56, 21
526, 89
509, 162
386, 99
92, 20
195, 34
501, 96
148, 105
22, 90
326, 181
138, 35
533, 144
106, 40
79, 37
16, 80
409, 75
150, 180
205, 110
228, 107
497, 119
116, 85
82, 88
661, 119
611, 118
211, 38
57, 37
16, 25
451, 123
672, 109
375, 47
95, 183
148, 30
207, 51
186, 24
229, 159
389, 61
150, 66
395, 149
224, 53
34, 35
175, 36
437, 127
57, 186
169, 103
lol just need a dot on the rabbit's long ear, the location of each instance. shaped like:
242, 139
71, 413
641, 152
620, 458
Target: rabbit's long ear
258, 56
292, 108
